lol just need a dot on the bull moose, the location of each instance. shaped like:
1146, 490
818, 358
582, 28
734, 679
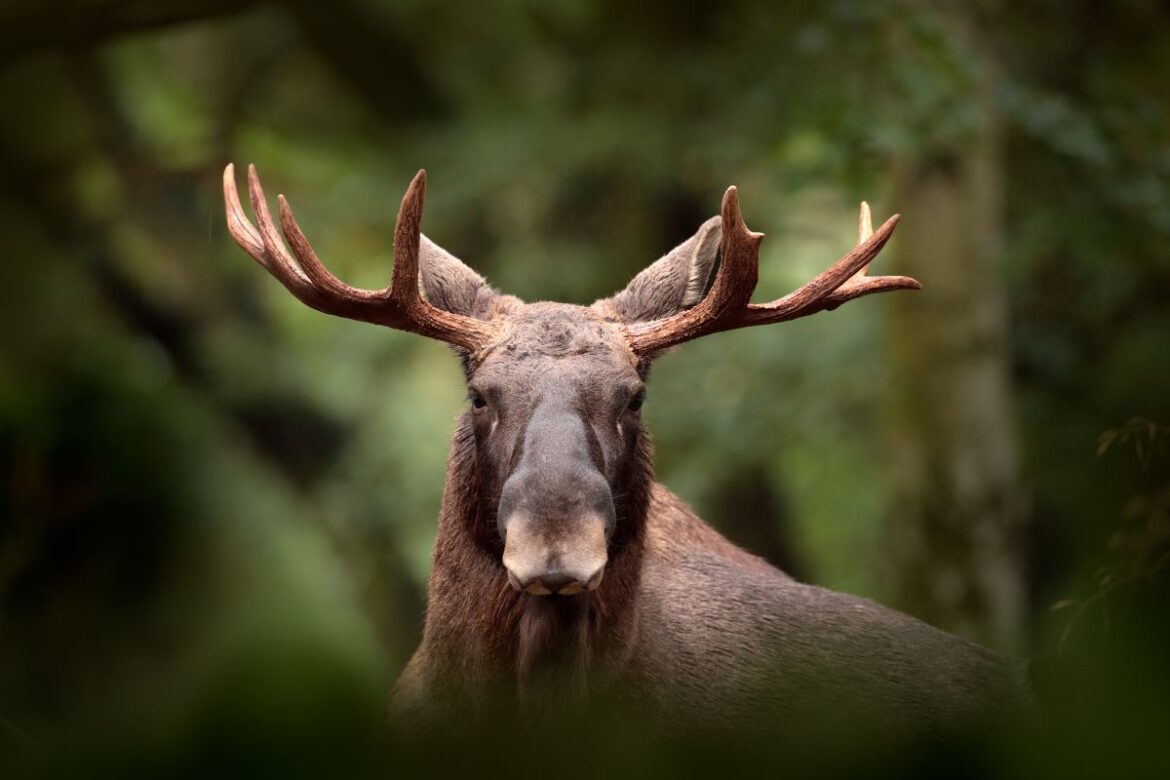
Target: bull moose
561, 565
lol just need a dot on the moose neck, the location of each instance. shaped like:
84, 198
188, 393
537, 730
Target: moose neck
478, 625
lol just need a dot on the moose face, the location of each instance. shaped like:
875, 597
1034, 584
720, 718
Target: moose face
556, 389
555, 406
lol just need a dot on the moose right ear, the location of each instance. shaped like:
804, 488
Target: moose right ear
450, 285
675, 282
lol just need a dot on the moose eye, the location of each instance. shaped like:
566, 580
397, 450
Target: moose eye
637, 401
477, 400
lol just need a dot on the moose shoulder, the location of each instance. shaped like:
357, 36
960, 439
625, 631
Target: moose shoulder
561, 569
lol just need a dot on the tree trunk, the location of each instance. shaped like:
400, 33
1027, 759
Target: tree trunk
956, 516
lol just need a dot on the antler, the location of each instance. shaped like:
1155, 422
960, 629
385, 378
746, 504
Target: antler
399, 305
727, 306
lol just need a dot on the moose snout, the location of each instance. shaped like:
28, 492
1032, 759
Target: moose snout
568, 561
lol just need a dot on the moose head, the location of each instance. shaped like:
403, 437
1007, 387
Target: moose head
555, 390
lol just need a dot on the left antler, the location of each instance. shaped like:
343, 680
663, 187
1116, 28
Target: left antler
728, 304
400, 305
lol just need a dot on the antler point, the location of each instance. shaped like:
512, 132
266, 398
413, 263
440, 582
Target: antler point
730, 199
730, 208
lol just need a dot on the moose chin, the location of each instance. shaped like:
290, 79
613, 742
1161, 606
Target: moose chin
561, 565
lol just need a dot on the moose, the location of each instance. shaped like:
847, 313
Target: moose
561, 569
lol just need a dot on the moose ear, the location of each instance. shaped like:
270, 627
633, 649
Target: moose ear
675, 282
450, 285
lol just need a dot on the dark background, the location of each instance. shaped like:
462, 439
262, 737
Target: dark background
217, 506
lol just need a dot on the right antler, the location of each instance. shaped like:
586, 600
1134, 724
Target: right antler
399, 305
728, 303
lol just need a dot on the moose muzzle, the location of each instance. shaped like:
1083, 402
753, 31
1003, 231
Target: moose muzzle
541, 563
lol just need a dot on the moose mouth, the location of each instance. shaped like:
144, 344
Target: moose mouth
556, 584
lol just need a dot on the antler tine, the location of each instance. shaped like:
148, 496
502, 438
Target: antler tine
404, 294
238, 225
864, 231
266, 250
407, 230
864, 224
740, 270
726, 306
400, 305
311, 265
274, 246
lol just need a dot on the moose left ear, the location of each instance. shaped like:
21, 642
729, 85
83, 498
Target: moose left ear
677, 281
447, 283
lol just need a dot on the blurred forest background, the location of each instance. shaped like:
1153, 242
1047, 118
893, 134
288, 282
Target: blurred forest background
217, 505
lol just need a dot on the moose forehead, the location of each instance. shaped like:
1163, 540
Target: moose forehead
546, 340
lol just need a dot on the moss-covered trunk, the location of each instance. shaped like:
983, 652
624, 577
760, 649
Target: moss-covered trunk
956, 510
